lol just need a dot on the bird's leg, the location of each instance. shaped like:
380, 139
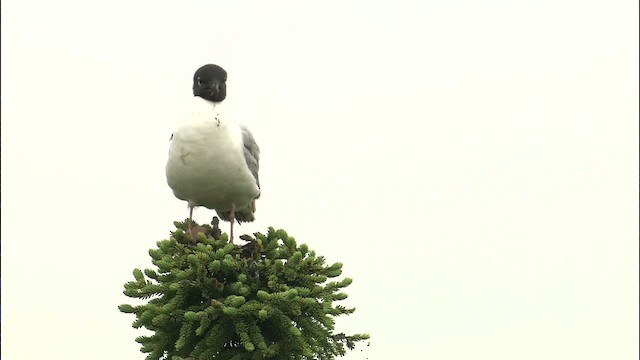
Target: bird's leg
232, 219
190, 218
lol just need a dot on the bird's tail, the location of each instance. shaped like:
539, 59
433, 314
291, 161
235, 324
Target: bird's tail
245, 214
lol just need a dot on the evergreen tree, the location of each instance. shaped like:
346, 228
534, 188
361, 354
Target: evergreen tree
210, 299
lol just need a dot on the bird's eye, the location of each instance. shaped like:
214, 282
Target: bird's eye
199, 81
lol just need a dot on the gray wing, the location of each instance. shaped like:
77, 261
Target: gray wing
252, 157
251, 153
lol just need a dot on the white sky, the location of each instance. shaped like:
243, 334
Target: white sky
474, 164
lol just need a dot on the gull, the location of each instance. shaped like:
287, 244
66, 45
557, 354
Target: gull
214, 161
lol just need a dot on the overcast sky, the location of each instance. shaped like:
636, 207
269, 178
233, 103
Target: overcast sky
474, 164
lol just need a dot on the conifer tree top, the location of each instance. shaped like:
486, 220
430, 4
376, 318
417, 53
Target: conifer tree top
266, 299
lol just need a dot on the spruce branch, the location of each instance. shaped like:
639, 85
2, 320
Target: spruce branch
266, 299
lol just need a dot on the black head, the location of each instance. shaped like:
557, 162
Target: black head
210, 82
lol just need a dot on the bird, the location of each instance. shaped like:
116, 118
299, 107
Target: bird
214, 161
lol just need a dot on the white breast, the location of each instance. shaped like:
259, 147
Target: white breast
206, 163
